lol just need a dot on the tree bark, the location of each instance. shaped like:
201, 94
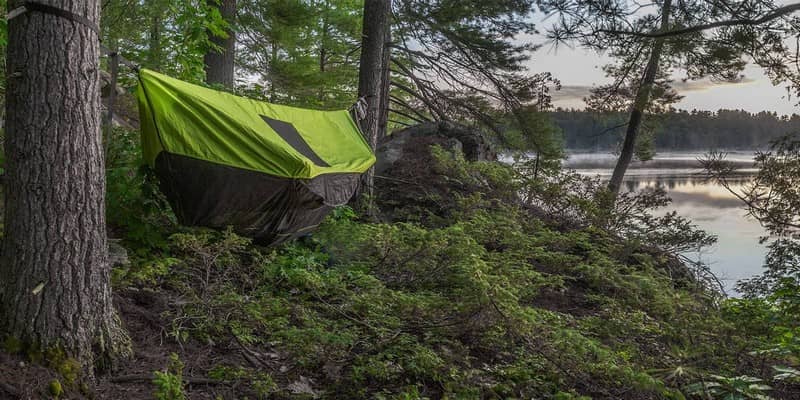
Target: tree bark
383, 118
639, 105
55, 289
372, 74
154, 51
273, 72
323, 41
219, 62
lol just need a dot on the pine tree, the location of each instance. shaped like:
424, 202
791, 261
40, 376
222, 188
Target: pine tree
457, 60
171, 36
56, 291
372, 74
661, 37
301, 53
219, 59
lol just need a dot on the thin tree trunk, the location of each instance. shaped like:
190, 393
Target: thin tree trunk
323, 51
55, 288
639, 105
383, 119
273, 72
108, 124
372, 67
323, 41
154, 55
219, 62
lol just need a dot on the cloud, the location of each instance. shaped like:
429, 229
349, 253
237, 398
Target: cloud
576, 93
571, 92
706, 84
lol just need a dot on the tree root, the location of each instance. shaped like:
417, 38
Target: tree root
149, 378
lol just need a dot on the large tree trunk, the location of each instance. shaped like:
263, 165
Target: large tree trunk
371, 76
639, 105
219, 62
55, 288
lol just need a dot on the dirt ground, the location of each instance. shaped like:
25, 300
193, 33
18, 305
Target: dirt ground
140, 312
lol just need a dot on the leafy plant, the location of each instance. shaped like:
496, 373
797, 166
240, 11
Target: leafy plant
730, 388
136, 208
786, 374
169, 382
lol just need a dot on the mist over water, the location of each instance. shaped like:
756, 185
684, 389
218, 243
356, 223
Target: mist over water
738, 253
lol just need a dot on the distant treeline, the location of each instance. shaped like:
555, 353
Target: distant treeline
679, 130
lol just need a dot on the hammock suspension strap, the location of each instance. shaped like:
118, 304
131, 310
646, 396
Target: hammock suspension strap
29, 6
360, 108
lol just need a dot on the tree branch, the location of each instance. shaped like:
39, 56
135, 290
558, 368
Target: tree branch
433, 108
393, 99
399, 123
409, 116
774, 14
148, 378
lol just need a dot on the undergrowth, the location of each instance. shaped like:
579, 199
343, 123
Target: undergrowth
489, 301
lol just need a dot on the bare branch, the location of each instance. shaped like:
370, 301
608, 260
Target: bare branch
772, 15
409, 116
400, 102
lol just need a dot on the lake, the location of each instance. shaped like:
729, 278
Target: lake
737, 254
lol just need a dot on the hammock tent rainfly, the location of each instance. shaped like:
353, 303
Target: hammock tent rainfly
271, 172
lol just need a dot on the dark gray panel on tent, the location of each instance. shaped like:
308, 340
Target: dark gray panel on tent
261, 206
289, 133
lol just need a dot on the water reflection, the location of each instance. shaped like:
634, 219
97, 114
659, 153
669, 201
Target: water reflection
692, 189
738, 253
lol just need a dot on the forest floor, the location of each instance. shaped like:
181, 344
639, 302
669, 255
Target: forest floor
461, 293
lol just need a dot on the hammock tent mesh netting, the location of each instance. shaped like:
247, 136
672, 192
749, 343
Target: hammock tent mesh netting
271, 172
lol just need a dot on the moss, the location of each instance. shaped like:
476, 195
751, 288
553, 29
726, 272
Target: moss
56, 358
55, 388
70, 369
34, 353
12, 345
84, 389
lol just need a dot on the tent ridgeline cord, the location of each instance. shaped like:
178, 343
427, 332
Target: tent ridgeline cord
113, 53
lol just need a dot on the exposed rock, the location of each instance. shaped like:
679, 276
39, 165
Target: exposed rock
410, 185
105, 85
302, 386
126, 112
117, 255
451, 136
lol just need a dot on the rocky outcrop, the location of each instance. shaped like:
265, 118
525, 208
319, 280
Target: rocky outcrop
409, 184
117, 255
126, 112
472, 143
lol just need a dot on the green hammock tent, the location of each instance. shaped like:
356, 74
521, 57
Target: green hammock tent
271, 172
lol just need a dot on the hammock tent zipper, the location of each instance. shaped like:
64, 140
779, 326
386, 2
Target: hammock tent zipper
271, 172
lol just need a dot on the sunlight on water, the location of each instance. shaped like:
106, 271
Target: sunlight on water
737, 254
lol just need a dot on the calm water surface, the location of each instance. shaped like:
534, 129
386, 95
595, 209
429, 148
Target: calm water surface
737, 254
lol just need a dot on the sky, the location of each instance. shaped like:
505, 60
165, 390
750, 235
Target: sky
579, 70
